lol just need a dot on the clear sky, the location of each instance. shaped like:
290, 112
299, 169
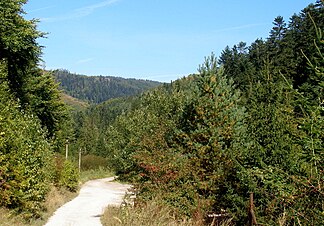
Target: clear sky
159, 40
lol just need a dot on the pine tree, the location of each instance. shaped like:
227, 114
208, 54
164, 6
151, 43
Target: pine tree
212, 138
271, 121
237, 66
274, 157
312, 139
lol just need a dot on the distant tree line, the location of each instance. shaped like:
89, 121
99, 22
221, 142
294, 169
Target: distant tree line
97, 89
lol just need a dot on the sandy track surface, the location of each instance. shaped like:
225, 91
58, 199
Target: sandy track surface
88, 206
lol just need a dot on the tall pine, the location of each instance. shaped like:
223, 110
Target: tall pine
212, 137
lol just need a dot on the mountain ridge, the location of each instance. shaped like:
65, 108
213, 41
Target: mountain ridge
97, 89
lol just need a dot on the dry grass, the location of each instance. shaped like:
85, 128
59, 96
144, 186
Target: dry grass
152, 214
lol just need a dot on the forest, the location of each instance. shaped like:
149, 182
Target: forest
249, 123
97, 89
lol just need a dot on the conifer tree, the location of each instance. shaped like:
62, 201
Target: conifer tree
20, 52
212, 137
271, 121
18, 45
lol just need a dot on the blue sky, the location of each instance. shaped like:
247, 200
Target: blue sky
159, 40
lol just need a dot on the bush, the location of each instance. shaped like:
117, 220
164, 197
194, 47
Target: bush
66, 174
69, 176
25, 158
92, 162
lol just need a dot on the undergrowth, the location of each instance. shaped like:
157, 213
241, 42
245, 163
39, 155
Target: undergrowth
153, 213
54, 199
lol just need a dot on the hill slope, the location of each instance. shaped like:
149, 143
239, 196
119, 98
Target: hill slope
97, 89
73, 102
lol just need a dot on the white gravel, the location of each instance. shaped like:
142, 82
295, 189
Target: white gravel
87, 208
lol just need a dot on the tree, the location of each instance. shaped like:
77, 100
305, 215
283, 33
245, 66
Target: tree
44, 100
271, 121
299, 35
212, 139
237, 66
25, 156
312, 126
20, 52
31, 114
18, 45
278, 31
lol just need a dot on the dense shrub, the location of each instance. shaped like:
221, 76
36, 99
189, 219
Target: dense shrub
25, 158
31, 113
90, 162
69, 176
66, 173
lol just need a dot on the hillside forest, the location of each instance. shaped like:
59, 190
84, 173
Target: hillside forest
249, 123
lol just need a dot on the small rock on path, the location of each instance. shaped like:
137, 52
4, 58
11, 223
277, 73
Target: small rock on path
87, 208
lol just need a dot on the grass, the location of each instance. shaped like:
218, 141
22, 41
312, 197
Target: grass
93, 174
153, 213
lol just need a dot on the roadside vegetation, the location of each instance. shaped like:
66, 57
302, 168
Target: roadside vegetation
241, 139
55, 198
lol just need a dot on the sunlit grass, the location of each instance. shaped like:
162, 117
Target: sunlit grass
92, 174
150, 215
153, 213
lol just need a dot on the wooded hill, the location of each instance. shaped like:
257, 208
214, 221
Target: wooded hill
96, 89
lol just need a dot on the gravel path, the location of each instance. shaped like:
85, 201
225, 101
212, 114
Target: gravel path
87, 208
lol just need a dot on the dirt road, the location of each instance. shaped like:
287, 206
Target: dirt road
86, 209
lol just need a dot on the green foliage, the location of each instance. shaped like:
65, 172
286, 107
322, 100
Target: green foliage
271, 123
212, 138
184, 142
31, 114
20, 53
284, 99
25, 158
45, 102
66, 174
93, 162
133, 131
254, 123
18, 46
312, 126
69, 176
204, 148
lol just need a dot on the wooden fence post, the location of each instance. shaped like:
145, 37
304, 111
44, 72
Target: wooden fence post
79, 160
66, 149
251, 214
